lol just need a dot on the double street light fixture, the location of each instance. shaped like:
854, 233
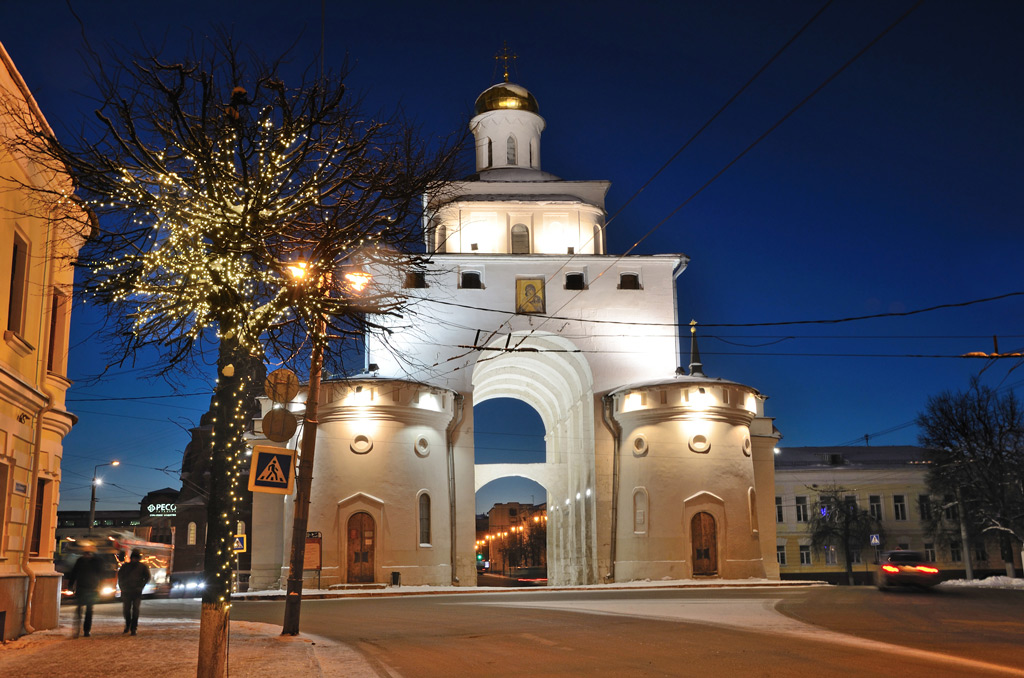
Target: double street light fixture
96, 481
356, 281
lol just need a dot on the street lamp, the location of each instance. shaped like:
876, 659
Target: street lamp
356, 281
96, 481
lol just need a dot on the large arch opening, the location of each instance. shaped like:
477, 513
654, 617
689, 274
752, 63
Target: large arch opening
511, 511
547, 373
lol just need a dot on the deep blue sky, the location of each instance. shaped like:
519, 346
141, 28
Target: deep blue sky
895, 188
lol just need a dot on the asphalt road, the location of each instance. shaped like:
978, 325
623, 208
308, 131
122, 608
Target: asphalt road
837, 631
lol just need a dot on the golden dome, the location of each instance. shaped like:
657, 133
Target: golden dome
506, 96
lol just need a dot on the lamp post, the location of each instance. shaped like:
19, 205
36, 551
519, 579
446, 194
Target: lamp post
95, 482
304, 473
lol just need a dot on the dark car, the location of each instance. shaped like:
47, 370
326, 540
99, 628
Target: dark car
905, 568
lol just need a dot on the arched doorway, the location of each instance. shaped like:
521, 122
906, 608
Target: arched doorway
551, 375
360, 548
704, 540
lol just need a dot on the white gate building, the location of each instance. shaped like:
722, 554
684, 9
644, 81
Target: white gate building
650, 472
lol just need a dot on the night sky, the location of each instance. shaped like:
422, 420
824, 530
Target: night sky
896, 187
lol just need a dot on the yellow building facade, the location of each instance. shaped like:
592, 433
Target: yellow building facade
36, 248
890, 482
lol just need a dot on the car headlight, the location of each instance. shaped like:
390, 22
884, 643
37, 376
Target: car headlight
107, 590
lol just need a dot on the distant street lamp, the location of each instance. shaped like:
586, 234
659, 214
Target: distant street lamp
96, 481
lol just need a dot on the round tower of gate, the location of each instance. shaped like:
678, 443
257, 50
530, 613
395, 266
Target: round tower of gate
686, 500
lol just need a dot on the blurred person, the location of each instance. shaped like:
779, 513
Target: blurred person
132, 579
85, 579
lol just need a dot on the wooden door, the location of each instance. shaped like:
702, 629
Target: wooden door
361, 536
705, 544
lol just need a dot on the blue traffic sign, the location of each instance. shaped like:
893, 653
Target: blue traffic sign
272, 470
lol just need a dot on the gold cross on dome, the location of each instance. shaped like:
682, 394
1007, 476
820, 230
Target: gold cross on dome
505, 55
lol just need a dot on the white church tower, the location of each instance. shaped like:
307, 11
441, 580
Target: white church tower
650, 472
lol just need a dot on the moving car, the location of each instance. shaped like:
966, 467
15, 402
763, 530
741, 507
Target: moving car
113, 549
905, 568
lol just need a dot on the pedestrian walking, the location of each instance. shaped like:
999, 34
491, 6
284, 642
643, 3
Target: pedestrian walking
85, 579
132, 579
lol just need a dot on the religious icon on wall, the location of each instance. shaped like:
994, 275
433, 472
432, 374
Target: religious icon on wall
530, 295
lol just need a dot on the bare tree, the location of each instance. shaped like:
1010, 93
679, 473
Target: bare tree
837, 522
209, 177
975, 443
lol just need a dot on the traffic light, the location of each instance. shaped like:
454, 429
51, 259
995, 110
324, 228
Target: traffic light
479, 557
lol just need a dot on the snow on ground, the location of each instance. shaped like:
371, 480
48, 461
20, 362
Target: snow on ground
989, 583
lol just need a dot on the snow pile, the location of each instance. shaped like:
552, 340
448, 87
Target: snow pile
1001, 582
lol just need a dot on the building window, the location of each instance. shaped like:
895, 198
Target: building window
597, 239
510, 151
850, 501
42, 490
520, 239
424, 519
855, 556
929, 552
629, 281
875, 506
955, 554
575, 281
779, 516
4, 473
980, 554
240, 527
903, 547
780, 554
924, 505
805, 555
470, 280
952, 511
830, 555
19, 283
415, 279
490, 153
801, 509
190, 536
58, 339
899, 507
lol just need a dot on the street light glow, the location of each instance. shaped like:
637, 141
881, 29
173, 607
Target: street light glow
358, 280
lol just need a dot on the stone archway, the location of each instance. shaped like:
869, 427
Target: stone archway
549, 373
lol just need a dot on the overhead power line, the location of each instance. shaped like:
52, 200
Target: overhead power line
776, 323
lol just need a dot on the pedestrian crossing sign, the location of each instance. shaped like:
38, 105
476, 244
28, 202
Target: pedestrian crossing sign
239, 545
272, 470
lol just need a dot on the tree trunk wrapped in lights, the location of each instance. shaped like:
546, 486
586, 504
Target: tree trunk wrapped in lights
207, 177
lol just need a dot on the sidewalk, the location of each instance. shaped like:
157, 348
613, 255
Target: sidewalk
167, 648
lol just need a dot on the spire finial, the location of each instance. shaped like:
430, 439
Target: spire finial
696, 367
505, 56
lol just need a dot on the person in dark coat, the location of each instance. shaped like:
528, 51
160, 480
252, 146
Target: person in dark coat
85, 579
132, 579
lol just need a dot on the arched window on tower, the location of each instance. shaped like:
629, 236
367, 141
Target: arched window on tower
640, 511
442, 239
510, 150
520, 239
597, 239
424, 519
190, 537
490, 153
